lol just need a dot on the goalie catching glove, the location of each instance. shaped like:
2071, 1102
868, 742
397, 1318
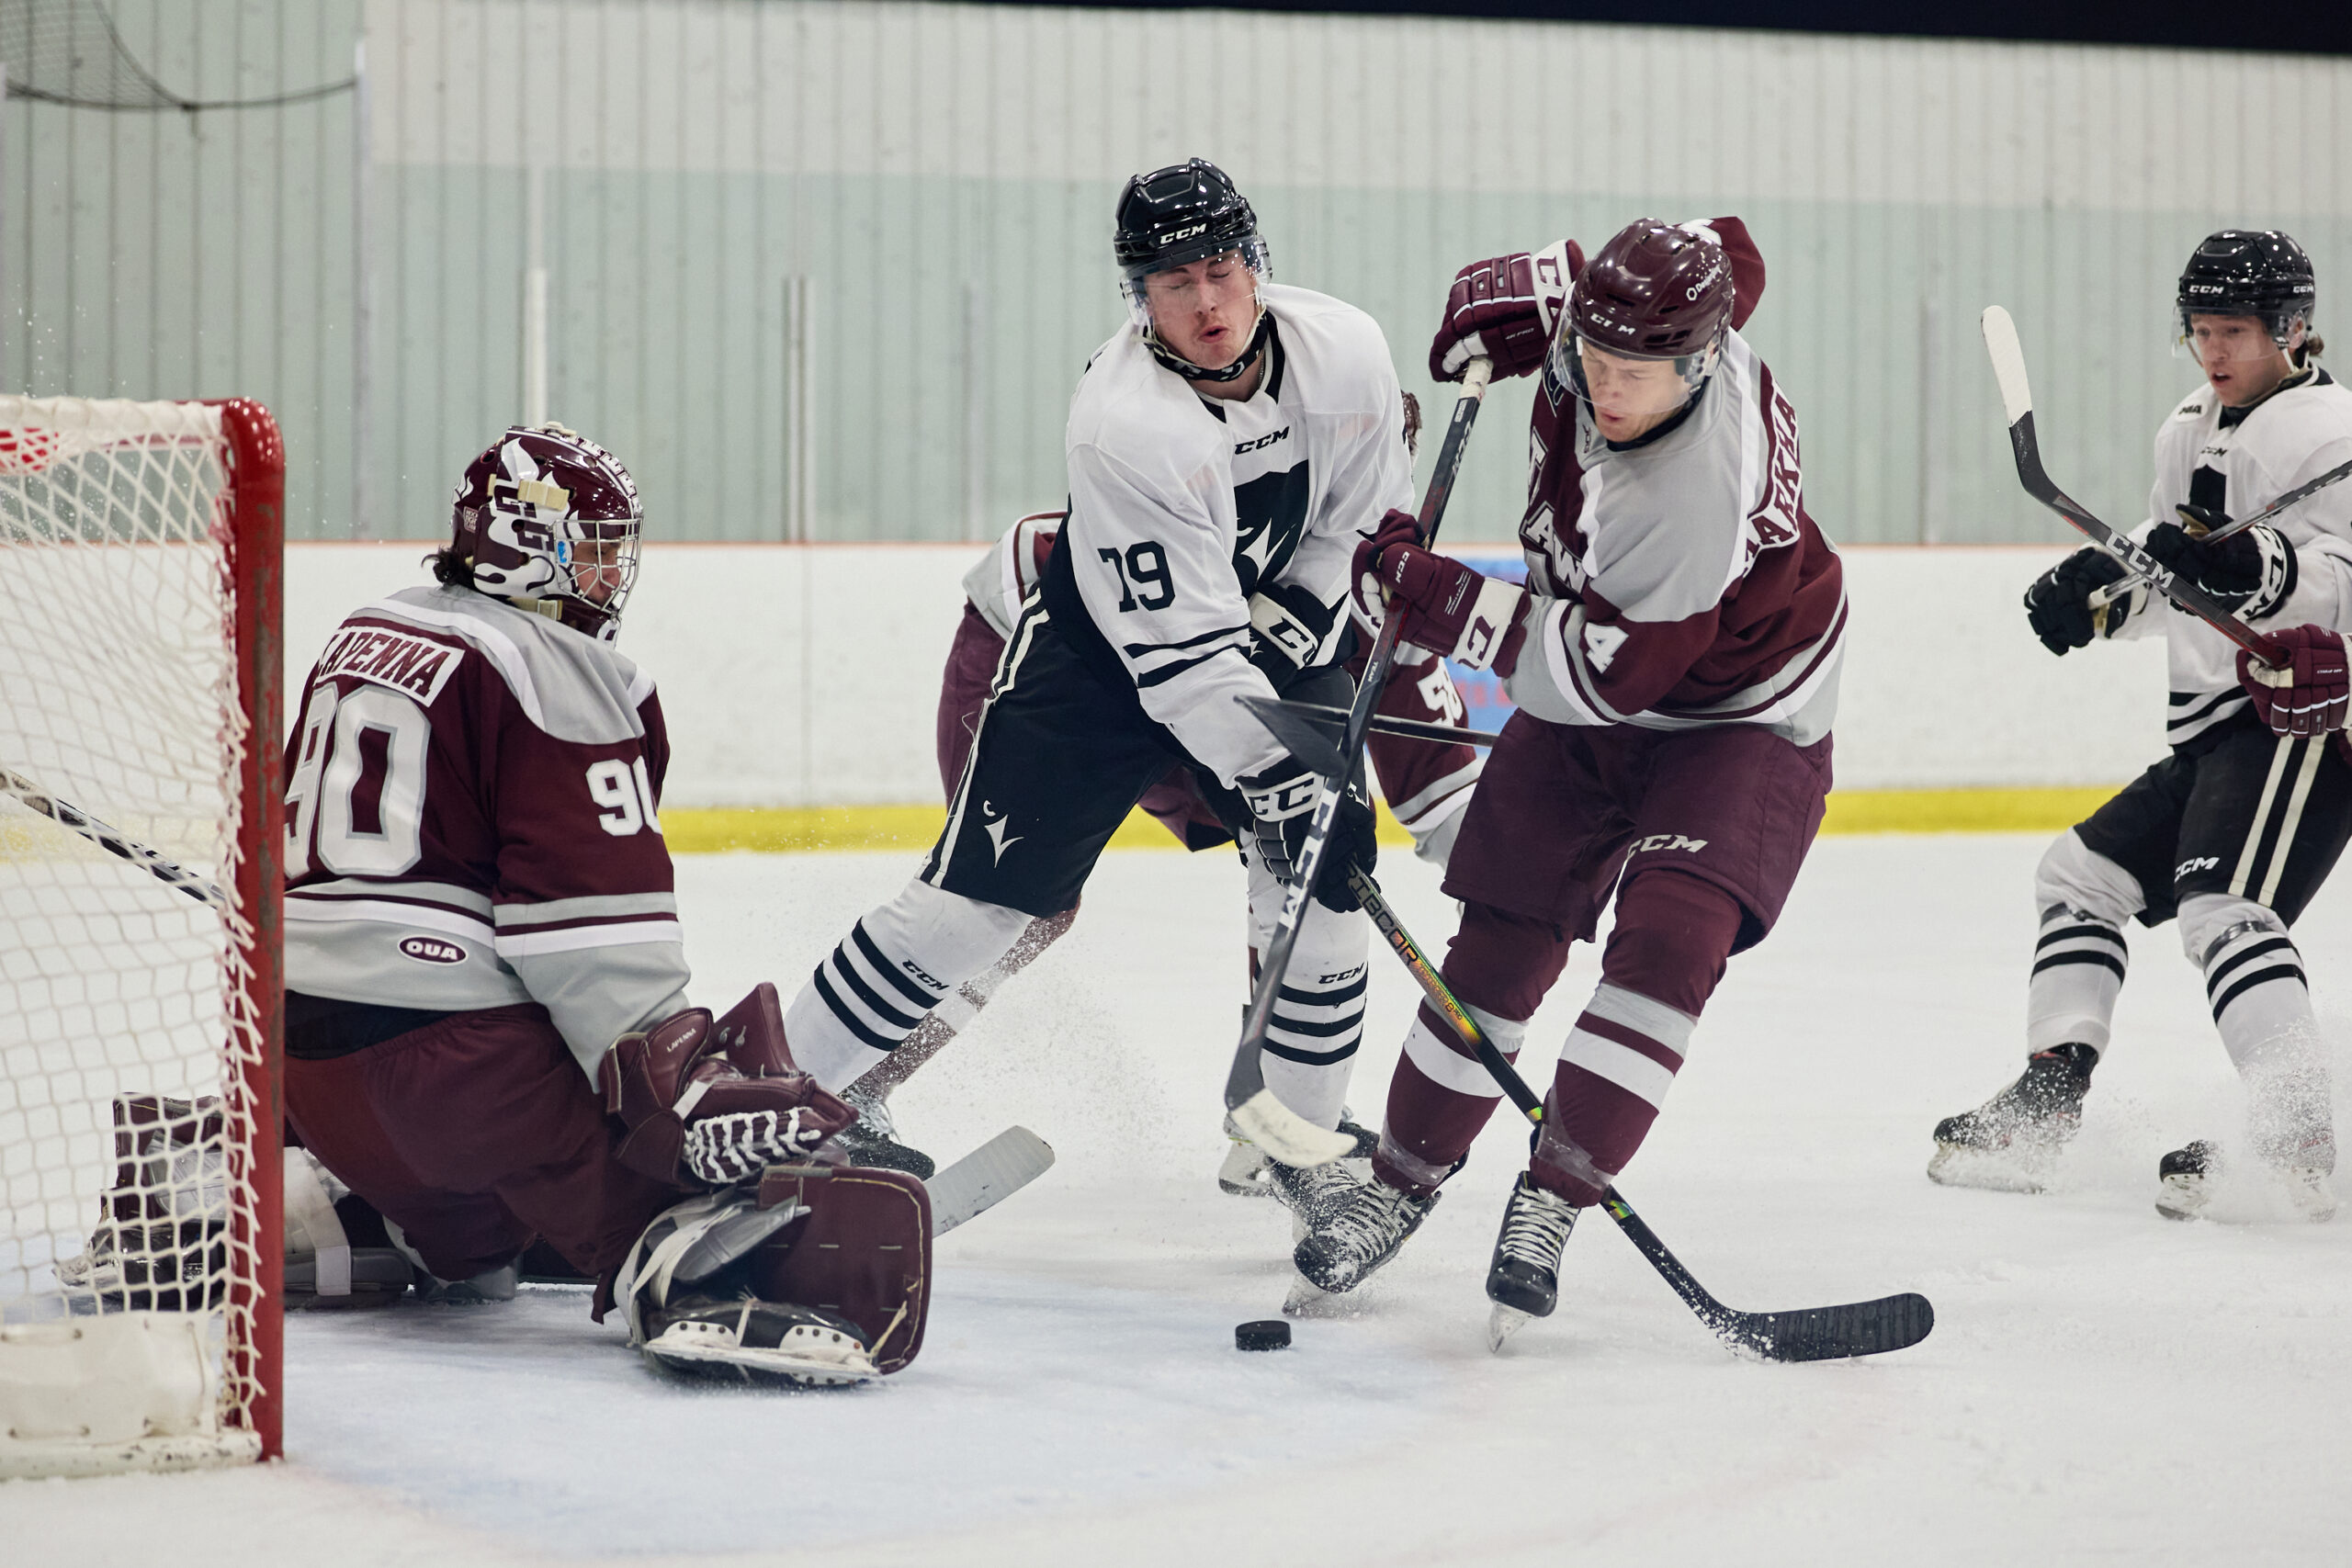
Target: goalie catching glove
1445, 606
715, 1102
2307, 695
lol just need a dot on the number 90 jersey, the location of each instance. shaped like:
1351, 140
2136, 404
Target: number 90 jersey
470, 821
1203, 529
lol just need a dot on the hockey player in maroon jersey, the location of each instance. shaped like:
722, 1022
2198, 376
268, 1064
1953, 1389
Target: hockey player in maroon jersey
487, 1031
1426, 785
2234, 831
1674, 656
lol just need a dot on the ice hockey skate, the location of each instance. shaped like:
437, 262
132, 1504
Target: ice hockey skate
1351, 1240
748, 1340
2201, 1181
1244, 1172
872, 1139
1523, 1280
2011, 1143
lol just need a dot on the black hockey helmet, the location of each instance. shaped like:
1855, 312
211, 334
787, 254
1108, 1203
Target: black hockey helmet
2248, 272
1183, 213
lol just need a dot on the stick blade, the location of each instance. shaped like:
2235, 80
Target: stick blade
986, 1177
1307, 736
1287, 1135
2008, 363
1831, 1333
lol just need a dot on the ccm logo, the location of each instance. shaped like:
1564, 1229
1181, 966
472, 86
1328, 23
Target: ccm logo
1666, 841
432, 950
2198, 862
1262, 441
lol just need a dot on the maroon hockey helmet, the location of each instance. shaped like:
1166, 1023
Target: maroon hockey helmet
549, 521
1658, 290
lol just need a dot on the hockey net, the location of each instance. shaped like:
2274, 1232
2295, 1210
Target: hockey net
140, 547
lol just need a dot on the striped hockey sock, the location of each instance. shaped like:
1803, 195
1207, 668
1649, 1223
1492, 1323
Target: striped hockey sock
2079, 961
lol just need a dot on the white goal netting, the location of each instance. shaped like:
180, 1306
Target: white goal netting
130, 1228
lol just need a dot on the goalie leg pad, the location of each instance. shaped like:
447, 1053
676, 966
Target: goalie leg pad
864, 1253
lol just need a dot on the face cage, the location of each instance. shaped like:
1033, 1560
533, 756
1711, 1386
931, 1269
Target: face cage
1568, 365
2280, 325
1255, 254
513, 529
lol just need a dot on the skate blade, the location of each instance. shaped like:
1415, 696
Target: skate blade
1991, 1171
1243, 1173
1502, 1323
1307, 1299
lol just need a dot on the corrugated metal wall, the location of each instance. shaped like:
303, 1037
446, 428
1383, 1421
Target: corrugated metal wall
941, 176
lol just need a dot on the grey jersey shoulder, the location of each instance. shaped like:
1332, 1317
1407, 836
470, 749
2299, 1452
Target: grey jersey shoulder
568, 684
1669, 524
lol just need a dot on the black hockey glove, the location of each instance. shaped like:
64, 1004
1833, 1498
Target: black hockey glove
2251, 572
1281, 806
2057, 605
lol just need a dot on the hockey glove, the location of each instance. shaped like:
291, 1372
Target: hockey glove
2307, 695
1504, 307
1447, 607
1282, 799
2251, 572
2057, 604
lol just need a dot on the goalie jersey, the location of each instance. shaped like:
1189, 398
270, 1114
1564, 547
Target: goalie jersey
471, 821
1202, 531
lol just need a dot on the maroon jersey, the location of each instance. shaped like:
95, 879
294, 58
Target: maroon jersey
1677, 580
471, 821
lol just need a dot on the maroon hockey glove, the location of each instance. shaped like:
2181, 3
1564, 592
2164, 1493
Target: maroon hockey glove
2251, 572
1504, 307
690, 1115
1447, 607
2307, 695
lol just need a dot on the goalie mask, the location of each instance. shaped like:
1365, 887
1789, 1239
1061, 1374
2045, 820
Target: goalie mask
548, 521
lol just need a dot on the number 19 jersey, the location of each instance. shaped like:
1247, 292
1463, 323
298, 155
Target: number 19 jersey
1201, 529
471, 821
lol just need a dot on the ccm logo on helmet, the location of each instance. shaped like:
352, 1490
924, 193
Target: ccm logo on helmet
432, 950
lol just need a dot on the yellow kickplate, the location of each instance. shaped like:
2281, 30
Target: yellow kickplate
913, 829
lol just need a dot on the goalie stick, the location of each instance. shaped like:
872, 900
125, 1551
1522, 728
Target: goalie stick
1805, 1334
2017, 401
112, 839
987, 1177
1264, 1120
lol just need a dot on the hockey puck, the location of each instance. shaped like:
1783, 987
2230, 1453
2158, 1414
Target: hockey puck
1267, 1333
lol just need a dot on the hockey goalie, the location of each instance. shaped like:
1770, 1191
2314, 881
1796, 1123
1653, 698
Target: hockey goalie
488, 1041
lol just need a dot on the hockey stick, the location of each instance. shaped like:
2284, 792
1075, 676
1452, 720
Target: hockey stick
1806, 1334
2017, 401
987, 1177
1309, 729
2102, 597
112, 839
1264, 1120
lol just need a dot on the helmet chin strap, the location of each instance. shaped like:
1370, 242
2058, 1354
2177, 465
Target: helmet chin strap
1233, 372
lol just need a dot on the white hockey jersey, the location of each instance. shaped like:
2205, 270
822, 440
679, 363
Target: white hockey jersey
2240, 463
1191, 518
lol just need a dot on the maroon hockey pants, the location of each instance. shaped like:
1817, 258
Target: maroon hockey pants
474, 1134
1701, 834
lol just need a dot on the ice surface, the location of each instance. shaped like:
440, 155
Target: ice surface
2102, 1384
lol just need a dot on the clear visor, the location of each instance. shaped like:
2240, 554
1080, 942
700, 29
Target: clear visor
1630, 384
2233, 340
1187, 285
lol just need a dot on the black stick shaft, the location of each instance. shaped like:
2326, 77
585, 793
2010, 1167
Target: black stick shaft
1248, 1078
66, 814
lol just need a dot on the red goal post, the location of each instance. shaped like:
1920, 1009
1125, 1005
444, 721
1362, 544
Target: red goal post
142, 990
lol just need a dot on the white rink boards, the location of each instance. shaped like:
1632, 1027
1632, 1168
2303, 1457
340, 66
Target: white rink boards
2102, 1384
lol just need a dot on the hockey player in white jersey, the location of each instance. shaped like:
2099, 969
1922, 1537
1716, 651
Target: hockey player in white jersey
1227, 447
2234, 831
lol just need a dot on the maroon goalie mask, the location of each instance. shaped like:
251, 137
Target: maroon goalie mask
549, 521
